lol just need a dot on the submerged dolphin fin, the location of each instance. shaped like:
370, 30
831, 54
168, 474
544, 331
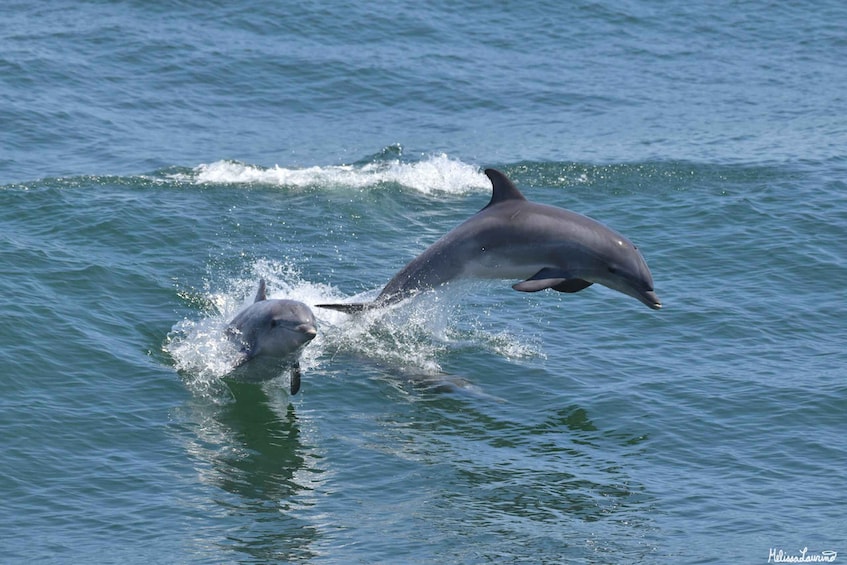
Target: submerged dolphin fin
502, 188
551, 278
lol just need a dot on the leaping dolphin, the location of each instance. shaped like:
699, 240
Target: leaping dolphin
512, 238
271, 334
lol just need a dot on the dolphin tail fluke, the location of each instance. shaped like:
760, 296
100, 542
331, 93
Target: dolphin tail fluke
349, 308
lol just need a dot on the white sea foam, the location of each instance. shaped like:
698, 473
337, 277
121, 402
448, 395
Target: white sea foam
434, 174
199, 347
407, 338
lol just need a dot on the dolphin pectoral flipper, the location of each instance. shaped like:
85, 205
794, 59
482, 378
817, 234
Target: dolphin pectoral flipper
572, 285
551, 278
534, 285
295, 378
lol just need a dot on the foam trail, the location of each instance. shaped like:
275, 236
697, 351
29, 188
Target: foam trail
200, 348
408, 338
435, 174
203, 354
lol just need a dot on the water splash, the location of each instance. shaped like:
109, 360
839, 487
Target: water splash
199, 347
409, 338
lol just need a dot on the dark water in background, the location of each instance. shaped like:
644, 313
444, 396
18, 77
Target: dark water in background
157, 159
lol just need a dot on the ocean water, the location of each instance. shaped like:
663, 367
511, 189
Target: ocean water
158, 158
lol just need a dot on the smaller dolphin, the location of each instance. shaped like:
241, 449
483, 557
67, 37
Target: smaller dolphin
271, 334
512, 238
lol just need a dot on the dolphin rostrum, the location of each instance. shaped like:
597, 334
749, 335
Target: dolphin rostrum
512, 238
271, 334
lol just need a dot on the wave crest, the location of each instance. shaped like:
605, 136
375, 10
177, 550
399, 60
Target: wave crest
431, 175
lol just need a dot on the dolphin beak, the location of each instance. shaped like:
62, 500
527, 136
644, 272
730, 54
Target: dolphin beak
651, 299
308, 330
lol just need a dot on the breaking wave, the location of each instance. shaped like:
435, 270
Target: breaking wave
430, 175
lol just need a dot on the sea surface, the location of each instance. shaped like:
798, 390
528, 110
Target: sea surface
158, 158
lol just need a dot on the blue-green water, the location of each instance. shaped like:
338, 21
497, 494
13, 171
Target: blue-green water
156, 160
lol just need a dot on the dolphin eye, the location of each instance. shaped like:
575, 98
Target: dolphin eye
613, 270
274, 323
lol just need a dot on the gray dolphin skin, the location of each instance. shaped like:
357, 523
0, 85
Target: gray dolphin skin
512, 238
271, 334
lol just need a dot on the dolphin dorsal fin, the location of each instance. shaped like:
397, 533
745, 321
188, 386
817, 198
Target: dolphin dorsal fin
261, 294
503, 189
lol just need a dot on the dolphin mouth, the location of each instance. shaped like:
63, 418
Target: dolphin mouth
309, 331
651, 299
